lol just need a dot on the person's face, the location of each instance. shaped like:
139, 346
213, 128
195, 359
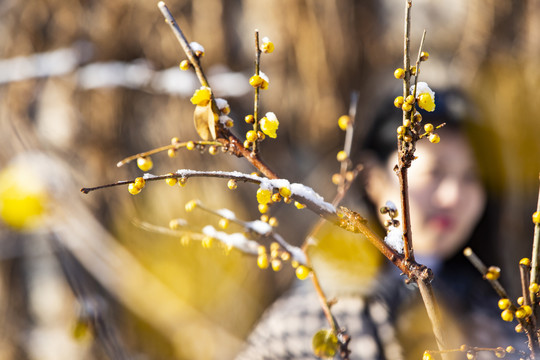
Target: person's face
446, 196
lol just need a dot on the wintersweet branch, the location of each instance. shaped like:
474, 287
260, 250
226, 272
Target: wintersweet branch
257, 90
193, 59
536, 247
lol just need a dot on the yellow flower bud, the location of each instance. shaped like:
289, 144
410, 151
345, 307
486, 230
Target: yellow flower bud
185, 65
298, 205
276, 264
273, 222
251, 135
507, 315
343, 122
207, 242
256, 80
223, 223
140, 182
231, 184
145, 163
504, 303
341, 156
493, 273
409, 99
536, 217
133, 189
263, 208
302, 272
406, 106
399, 73
191, 205
434, 138
171, 181
262, 261
249, 119
398, 102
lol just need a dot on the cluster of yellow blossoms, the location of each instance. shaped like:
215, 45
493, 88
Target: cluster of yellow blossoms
276, 258
421, 95
472, 352
509, 310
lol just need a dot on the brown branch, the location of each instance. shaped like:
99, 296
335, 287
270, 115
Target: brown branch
535, 251
418, 62
479, 265
405, 156
193, 59
257, 90
528, 324
433, 311
229, 139
176, 146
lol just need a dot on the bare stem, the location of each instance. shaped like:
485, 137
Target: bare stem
193, 59
535, 250
433, 311
257, 90
479, 265
164, 148
404, 155
418, 61
344, 184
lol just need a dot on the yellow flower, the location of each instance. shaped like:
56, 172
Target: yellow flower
264, 196
426, 102
269, 124
201, 96
267, 46
425, 96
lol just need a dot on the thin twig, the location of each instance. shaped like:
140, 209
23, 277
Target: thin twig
164, 148
418, 62
193, 59
235, 145
535, 251
434, 314
257, 91
482, 268
344, 184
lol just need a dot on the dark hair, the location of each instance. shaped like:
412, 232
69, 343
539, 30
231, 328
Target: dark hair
453, 108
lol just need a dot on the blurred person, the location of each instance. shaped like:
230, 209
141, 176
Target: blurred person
450, 209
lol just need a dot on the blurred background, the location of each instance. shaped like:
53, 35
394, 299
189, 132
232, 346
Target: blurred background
85, 83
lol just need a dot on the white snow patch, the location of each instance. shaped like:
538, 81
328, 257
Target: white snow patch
236, 240
221, 103
390, 205
227, 214
421, 88
394, 239
260, 227
195, 46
